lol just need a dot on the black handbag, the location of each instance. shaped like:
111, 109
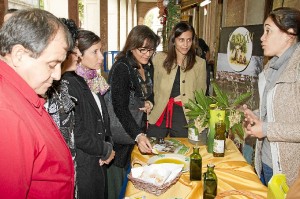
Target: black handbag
119, 135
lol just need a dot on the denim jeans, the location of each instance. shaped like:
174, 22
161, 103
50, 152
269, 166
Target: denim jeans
266, 174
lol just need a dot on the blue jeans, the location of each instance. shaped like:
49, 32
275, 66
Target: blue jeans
266, 174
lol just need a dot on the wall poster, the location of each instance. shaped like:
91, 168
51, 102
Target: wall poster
240, 60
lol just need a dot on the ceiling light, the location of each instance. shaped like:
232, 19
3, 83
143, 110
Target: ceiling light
205, 2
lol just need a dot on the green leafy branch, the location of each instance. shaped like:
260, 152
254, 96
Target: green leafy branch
199, 110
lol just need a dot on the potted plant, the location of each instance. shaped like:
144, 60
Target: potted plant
199, 110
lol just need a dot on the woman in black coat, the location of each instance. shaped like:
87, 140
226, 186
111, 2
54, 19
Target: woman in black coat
132, 72
92, 133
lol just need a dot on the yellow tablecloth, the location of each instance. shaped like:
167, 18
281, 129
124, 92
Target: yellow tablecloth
233, 172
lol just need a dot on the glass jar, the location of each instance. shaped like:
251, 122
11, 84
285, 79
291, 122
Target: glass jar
193, 137
197, 138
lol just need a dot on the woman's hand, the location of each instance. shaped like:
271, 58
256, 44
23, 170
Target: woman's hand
252, 123
147, 107
111, 157
144, 144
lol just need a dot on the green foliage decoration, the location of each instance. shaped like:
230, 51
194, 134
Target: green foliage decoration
41, 4
199, 110
80, 10
173, 16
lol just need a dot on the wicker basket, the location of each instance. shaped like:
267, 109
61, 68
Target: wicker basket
238, 192
148, 187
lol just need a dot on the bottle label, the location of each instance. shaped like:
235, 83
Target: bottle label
192, 135
219, 146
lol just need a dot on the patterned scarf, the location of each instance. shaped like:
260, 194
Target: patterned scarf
94, 80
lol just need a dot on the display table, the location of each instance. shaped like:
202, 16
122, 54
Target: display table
233, 173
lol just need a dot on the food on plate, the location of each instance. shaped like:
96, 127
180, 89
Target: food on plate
155, 151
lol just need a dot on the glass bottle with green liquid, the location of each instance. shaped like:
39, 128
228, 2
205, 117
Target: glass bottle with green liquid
219, 139
215, 114
210, 183
195, 164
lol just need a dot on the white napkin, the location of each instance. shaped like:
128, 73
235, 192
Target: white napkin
157, 174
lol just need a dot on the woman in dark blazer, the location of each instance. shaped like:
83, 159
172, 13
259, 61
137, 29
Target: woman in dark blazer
92, 133
132, 72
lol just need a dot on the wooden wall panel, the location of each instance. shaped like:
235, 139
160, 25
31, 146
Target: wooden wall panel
103, 24
234, 15
3, 8
73, 11
286, 3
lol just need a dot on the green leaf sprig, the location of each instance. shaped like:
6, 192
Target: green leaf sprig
199, 110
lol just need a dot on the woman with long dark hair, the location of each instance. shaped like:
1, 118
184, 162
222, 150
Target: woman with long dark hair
277, 128
177, 74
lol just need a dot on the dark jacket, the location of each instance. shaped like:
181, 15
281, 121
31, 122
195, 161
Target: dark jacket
92, 138
122, 82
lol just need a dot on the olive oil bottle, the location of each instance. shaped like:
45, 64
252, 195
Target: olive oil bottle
195, 164
210, 183
211, 129
219, 139
215, 114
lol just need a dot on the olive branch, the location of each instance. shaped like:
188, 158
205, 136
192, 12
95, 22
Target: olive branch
199, 110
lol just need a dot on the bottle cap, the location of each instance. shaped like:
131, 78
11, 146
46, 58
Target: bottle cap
213, 106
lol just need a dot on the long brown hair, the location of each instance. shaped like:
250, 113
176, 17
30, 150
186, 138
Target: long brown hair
135, 40
171, 58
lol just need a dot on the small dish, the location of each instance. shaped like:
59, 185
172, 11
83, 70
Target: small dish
171, 158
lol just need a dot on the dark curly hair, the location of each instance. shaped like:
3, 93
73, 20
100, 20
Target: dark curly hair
72, 27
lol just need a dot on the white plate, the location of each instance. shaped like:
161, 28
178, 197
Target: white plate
171, 158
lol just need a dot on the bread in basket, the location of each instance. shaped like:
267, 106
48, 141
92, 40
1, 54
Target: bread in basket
155, 178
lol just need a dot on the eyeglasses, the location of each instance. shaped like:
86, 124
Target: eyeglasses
145, 50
